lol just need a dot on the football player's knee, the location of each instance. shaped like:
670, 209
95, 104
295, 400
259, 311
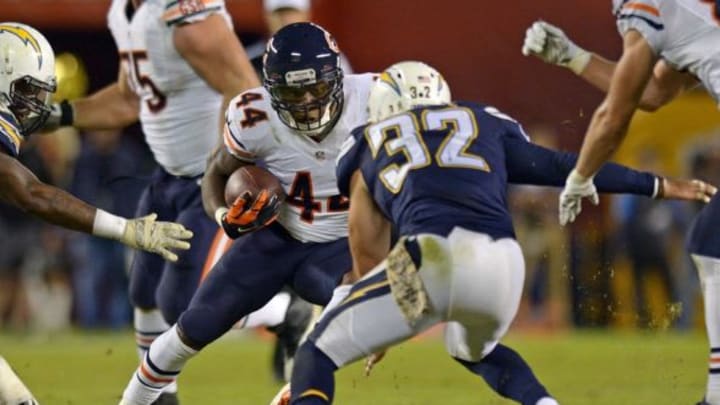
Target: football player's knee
142, 298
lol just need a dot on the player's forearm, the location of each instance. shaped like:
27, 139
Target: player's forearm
58, 207
213, 192
109, 108
533, 164
598, 72
604, 135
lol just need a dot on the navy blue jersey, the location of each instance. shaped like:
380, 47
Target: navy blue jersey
435, 168
10, 138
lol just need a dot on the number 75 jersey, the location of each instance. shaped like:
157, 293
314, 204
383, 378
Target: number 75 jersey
179, 112
314, 210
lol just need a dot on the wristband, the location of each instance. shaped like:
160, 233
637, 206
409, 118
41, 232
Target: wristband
107, 225
580, 61
67, 113
659, 187
219, 213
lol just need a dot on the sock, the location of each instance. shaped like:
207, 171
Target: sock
161, 366
313, 380
547, 401
709, 271
339, 294
272, 314
509, 375
149, 324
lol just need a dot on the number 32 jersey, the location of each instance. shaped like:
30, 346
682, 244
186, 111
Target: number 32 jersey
314, 210
179, 112
685, 33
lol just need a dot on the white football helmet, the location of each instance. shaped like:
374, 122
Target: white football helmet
27, 74
404, 86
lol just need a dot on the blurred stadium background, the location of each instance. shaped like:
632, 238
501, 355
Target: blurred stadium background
612, 311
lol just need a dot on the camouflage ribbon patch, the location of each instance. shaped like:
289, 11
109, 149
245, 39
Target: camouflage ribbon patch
406, 285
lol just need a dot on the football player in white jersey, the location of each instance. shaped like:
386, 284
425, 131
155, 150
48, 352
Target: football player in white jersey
293, 126
668, 46
180, 63
27, 80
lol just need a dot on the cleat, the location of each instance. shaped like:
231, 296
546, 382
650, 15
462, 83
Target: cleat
167, 398
290, 333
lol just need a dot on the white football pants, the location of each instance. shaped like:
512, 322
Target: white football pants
473, 282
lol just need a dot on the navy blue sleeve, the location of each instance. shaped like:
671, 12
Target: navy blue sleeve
528, 163
350, 159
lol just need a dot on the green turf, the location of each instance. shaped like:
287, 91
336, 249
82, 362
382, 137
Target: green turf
579, 368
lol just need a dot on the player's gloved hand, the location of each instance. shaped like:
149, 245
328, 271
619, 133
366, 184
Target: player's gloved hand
551, 45
156, 236
247, 214
576, 188
61, 114
693, 190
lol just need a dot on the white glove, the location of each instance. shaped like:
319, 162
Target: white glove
551, 45
157, 237
576, 188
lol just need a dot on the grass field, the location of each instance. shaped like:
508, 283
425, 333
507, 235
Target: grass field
579, 368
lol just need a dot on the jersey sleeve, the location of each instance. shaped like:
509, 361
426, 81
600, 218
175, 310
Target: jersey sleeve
179, 12
10, 138
238, 140
350, 159
528, 163
643, 16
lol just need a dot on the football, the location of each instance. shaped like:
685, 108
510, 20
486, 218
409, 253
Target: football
253, 179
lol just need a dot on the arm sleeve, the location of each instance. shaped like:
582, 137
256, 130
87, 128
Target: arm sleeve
532, 164
643, 16
179, 12
233, 135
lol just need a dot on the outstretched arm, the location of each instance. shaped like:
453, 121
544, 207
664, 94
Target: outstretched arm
551, 45
19, 187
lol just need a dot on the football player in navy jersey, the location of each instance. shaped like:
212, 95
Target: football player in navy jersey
438, 171
27, 80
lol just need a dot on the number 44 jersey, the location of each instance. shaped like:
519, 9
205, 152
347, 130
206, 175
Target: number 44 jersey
314, 210
179, 112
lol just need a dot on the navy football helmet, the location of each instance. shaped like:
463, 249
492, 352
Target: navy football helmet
302, 73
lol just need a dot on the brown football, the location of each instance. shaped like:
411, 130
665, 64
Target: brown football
253, 179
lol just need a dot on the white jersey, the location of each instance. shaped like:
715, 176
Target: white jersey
314, 210
684, 33
179, 112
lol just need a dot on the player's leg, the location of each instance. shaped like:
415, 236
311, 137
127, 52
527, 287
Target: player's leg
367, 321
371, 318
487, 285
703, 244
284, 308
246, 277
315, 281
145, 274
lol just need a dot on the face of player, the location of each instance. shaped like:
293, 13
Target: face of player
307, 103
30, 102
